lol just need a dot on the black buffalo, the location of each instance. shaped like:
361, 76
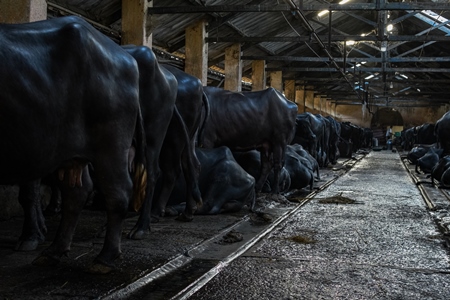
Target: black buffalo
335, 134
440, 169
310, 133
225, 186
157, 96
250, 161
408, 138
427, 162
442, 132
425, 134
300, 170
263, 120
69, 97
417, 152
351, 139
178, 152
310, 162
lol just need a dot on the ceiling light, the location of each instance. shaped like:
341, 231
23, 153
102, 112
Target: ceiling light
323, 12
383, 47
370, 76
404, 76
343, 1
349, 43
390, 27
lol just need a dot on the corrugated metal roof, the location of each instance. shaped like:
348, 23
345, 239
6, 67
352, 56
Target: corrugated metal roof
285, 34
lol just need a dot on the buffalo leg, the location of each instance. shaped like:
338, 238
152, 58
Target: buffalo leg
117, 186
171, 169
73, 199
142, 226
277, 157
34, 229
191, 171
265, 168
54, 206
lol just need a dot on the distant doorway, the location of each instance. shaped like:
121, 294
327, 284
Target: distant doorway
382, 119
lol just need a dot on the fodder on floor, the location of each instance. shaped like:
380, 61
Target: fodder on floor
302, 239
337, 199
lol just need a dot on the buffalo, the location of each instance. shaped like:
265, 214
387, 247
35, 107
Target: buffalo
70, 96
262, 120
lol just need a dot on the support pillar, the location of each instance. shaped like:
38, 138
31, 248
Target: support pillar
276, 80
22, 11
258, 75
233, 68
136, 23
289, 89
300, 99
196, 62
309, 99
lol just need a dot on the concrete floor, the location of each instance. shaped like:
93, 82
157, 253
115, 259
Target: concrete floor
384, 246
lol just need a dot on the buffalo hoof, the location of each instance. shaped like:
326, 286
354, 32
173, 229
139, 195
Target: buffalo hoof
137, 234
52, 210
98, 268
28, 245
45, 261
170, 212
154, 219
184, 218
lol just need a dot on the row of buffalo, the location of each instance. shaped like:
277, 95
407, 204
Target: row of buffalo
79, 112
429, 149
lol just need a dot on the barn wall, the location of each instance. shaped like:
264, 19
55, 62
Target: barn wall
356, 114
414, 116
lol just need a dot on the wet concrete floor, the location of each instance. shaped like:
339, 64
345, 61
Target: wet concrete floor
385, 245
173, 255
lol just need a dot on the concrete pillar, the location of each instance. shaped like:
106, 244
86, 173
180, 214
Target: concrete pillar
309, 98
289, 89
300, 100
196, 62
258, 75
276, 80
233, 68
136, 23
316, 104
22, 11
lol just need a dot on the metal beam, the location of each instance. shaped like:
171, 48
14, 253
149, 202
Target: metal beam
348, 59
323, 81
334, 38
305, 7
363, 69
361, 18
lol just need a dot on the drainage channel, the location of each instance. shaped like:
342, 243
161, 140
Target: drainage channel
426, 197
436, 199
186, 273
